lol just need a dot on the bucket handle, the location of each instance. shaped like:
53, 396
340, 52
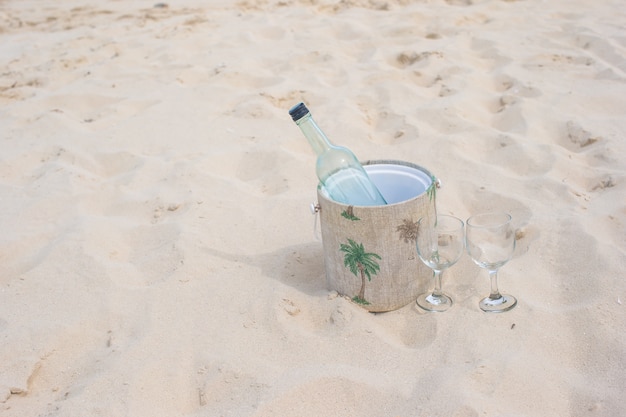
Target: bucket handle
315, 210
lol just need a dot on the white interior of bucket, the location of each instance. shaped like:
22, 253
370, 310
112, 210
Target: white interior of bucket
397, 183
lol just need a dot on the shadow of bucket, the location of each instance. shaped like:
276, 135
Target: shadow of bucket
369, 251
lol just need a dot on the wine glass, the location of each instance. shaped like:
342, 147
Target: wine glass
439, 245
490, 243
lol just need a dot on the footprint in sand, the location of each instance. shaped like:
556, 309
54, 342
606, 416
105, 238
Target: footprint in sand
488, 51
523, 159
482, 200
508, 85
509, 115
559, 61
334, 313
391, 128
18, 377
95, 111
576, 138
415, 59
337, 7
254, 107
460, 2
110, 114
261, 170
111, 165
406, 329
284, 101
605, 53
386, 126
484, 379
592, 151
154, 251
593, 52
223, 388
578, 278
15, 86
508, 108
448, 80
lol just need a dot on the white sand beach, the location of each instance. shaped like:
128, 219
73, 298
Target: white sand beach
157, 254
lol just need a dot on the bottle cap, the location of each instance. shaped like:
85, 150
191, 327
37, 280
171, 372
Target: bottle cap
298, 111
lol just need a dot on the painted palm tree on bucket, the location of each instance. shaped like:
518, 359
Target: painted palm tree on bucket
360, 263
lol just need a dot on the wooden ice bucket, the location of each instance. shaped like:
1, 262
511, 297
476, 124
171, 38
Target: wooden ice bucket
369, 251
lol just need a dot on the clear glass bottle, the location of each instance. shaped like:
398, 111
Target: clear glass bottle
338, 169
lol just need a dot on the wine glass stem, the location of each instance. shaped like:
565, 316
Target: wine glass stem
493, 277
437, 276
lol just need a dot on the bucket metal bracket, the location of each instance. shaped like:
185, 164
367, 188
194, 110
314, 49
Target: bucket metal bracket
315, 208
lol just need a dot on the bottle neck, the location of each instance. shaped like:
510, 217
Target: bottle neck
317, 139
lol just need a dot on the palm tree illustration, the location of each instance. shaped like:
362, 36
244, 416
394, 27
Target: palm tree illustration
432, 193
408, 231
360, 263
349, 214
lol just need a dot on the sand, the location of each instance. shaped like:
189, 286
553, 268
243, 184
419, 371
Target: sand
157, 254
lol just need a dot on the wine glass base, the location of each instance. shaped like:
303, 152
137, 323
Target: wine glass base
498, 305
432, 302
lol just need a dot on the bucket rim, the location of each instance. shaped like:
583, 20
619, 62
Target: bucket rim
431, 177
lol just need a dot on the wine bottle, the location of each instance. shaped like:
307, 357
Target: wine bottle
337, 168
